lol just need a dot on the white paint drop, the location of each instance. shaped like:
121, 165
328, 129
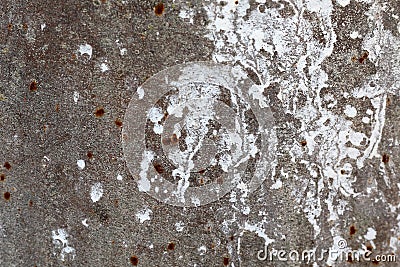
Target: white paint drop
96, 192
179, 226
81, 164
76, 97
42, 26
371, 234
86, 49
350, 111
144, 215
119, 177
84, 222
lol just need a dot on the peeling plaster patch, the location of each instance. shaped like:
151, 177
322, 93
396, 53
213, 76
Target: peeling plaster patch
155, 115
343, 3
278, 184
96, 192
259, 231
144, 183
60, 242
144, 215
86, 49
76, 97
81, 164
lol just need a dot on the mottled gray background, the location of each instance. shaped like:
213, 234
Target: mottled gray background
44, 132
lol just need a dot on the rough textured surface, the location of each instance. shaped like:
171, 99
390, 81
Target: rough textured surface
329, 71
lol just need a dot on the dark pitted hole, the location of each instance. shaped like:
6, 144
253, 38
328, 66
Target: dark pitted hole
7, 165
171, 246
134, 260
7, 196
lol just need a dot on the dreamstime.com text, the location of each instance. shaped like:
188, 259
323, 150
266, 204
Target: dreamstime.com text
313, 255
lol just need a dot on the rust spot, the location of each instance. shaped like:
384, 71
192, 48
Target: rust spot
388, 101
118, 122
201, 181
89, 154
385, 158
353, 230
369, 247
363, 57
342, 172
159, 9
220, 180
7, 165
349, 257
375, 262
2, 177
134, 260
231, 237
9, 27
30, 203
57, 107
7, 196
303, 142
226, 261
33, 86
236, 2
171, 246
202, 171
99, 112
159, 168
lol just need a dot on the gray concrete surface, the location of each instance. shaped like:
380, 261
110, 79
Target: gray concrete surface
328, 70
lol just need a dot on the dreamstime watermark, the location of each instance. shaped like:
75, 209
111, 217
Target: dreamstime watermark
340, 252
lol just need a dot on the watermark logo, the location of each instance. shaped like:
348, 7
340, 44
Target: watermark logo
338, 253
194, 132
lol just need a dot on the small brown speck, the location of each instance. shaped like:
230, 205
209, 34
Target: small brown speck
7, 165
30, 203
236, 2
57, 107
159, 9
166, 141
174, 139
7, 196
89, 154
363, 57
171, 246
118, 122
385, 158
353, 230
226, 261
134, 260
231, 237
33, 86
2, 177
342, 172
99, 112
369, 247
303, 142
375, 262
9, 27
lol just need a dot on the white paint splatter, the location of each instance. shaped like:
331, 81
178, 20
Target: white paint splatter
179, 226
119, 177
60, 241
96, 192
86, 49
371, 234
144, 215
